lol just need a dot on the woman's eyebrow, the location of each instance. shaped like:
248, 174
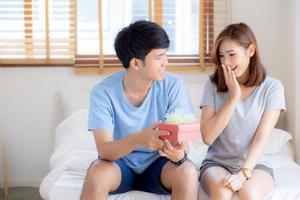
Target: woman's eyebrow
228, 51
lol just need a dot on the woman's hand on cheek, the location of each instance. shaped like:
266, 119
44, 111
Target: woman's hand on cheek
231, 82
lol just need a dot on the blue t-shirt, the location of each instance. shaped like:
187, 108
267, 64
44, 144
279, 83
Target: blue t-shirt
230, 147
110, 110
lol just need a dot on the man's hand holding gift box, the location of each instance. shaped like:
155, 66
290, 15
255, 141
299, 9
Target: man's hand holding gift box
181, 126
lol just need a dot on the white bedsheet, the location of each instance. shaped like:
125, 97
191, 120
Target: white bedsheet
65, 182
75, 150
66, 179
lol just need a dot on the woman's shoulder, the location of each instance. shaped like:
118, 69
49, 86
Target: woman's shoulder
271, 83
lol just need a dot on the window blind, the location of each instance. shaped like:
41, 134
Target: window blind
192, 26
81, 33
35, 32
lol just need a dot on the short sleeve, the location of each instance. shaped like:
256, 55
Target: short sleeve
100, 111
275, 96
208, 97
179, 98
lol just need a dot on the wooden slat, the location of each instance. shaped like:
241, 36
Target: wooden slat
73, 28
150, 10
47, 30
34, 52
201, 35
101, 57
182, 69
35, 61
209, 25
52, 40
158, 12
113, 59
28, 27
36, 46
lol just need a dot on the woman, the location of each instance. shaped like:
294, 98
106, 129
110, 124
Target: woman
240, 107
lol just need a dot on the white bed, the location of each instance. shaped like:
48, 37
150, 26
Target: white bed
75, 150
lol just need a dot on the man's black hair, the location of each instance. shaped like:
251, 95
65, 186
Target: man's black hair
138, 39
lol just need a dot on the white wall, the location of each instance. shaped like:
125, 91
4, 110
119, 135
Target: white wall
30, 106
276, 25
29, 112
297, 67
272, 23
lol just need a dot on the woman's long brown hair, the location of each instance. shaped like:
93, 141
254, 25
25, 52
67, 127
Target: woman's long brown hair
242, 34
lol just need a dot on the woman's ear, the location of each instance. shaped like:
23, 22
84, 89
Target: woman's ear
251, 50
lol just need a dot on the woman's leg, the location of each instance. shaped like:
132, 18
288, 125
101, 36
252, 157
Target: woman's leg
260, 184
212, 181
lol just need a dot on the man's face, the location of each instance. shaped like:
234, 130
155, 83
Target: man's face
154, 65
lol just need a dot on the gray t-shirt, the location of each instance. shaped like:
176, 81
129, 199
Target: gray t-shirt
232, 144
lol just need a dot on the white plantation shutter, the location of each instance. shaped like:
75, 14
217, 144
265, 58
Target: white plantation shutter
222, 16
95, 23
192, 26
37, 31
81, 33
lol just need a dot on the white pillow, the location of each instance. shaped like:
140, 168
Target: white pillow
195, 91
276, 141
72, 135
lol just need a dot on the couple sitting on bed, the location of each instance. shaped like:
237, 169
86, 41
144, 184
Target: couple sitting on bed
240, 107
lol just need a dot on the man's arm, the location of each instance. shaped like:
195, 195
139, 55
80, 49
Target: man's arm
110, 149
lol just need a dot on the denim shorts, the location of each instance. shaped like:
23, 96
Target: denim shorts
148, 181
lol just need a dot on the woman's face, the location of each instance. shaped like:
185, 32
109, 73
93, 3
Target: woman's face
234, 55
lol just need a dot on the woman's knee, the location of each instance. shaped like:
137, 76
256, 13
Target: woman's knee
217, 191
220, 193
248, 193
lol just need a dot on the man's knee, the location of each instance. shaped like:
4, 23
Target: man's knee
187, 172
186, 176
103, 176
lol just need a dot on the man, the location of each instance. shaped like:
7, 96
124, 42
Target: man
125, 109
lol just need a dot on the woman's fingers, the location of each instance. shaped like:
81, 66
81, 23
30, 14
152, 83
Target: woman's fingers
226, 180
231, 76
225, 72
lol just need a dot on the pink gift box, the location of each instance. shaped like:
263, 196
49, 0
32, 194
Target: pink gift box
181, 132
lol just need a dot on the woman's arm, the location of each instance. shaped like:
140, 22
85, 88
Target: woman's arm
212, 124
265, 127
267, 123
